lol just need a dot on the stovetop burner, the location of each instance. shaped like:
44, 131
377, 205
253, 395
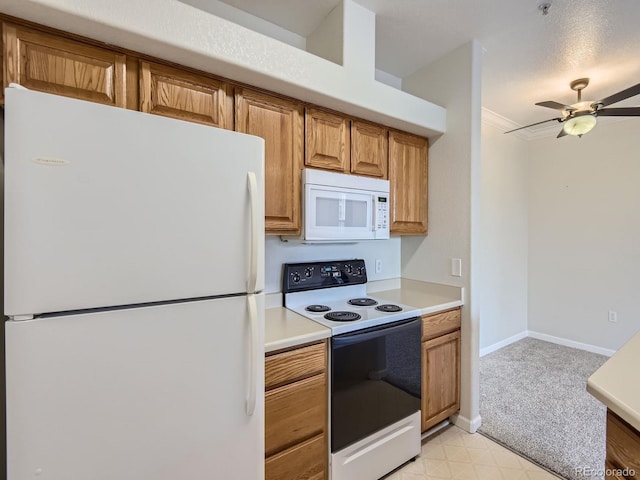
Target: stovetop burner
389, 308
334, 294
342, 316
317, 308
362, 302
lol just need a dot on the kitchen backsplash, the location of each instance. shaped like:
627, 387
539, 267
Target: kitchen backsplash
278, 252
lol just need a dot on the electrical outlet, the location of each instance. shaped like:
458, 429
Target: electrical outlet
378, 265
613, 316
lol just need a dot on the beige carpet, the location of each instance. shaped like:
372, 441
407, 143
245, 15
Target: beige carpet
533, 400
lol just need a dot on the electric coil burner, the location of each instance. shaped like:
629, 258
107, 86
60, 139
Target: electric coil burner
315, 289
342, 316
389, 307
362, 302
317, 308
375, 366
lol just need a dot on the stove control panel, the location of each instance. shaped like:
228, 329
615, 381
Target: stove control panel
297, 277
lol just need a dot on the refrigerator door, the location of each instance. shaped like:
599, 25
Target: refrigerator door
107, 206
155, 392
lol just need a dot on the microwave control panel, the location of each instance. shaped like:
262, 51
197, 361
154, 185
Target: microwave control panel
382, 212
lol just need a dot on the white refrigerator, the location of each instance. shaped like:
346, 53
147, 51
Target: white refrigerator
134, 258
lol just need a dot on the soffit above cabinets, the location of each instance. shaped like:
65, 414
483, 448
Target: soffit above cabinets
178, 32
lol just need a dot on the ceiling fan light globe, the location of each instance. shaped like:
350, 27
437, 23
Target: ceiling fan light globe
578, 126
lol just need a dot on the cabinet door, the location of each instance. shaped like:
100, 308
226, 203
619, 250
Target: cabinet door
280, 123
52, 64
408, 183
623, 446
369, 149
440, 378
327, 140
179, 94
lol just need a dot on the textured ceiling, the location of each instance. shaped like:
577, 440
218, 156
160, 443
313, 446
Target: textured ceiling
529, 57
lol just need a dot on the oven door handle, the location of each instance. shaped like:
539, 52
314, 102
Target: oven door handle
374, 332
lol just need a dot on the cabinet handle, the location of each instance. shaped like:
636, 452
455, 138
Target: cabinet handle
254, 350
252, 280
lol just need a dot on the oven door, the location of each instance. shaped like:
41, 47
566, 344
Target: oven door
375, 379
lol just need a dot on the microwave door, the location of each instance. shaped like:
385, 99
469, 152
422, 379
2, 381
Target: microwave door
334, 214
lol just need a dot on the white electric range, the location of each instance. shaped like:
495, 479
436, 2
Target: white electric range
375, 366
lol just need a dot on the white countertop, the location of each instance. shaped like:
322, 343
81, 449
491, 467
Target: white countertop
428, 297
616, 383
285, 329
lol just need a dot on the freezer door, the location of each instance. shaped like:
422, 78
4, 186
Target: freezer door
151, 393
107, 206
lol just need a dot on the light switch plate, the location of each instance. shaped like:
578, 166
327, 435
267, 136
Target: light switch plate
456, 267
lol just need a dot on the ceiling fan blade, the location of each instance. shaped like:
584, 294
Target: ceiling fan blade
562, 133
556, 105
559, 119
619, 112
618, 97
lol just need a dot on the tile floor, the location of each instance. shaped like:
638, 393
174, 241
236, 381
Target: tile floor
455, 454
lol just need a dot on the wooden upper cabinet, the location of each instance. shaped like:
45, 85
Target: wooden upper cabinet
53, 64
280, 123
327, 140
180, 94
369, 149
408, 183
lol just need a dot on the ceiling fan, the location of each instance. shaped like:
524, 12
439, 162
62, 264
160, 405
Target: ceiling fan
580, 117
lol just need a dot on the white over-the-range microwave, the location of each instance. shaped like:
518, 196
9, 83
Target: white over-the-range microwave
344, 208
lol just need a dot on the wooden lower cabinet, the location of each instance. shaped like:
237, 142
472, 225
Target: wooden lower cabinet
296, 400
623, 449
304, 461
440, 367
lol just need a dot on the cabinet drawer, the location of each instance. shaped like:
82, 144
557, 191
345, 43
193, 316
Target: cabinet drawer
305, 461
295, 412
440, 323
287, 367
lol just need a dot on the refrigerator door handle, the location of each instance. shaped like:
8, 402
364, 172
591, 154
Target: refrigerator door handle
252, 184
254, 350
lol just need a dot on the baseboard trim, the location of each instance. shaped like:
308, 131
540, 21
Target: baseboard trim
570, 343
547, 338
503, 343
469, 425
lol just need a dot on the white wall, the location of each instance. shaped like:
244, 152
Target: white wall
250, 21
502, 289
584, 235
278, 252
454, 160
